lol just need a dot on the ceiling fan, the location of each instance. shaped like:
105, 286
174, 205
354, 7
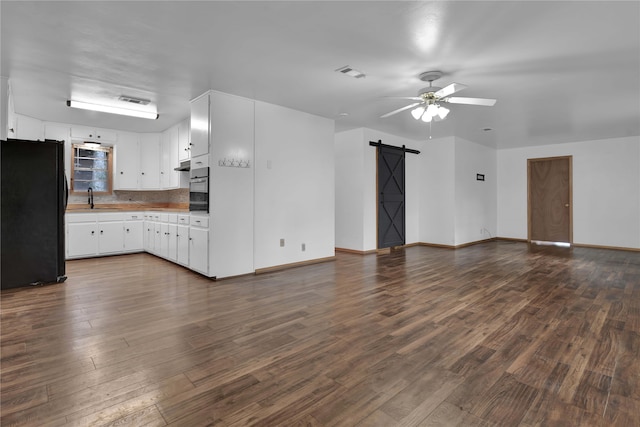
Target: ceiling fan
428, 108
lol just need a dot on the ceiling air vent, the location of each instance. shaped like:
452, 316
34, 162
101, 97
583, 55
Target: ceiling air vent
131, 99
351, 72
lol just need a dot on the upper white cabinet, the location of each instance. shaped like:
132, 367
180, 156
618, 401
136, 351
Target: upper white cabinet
184, 136
127, 162
61, 133
200, 125
87, 133
149, 161
169, 178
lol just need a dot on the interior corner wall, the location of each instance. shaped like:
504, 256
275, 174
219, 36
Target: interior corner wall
294, 186
437, 192
606, 190
349, 178
4, 107
475, 201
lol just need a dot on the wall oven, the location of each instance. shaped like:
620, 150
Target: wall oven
199, 190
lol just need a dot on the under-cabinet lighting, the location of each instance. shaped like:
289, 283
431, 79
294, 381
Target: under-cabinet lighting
112, 110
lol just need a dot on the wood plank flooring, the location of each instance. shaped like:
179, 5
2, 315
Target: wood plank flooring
494, 334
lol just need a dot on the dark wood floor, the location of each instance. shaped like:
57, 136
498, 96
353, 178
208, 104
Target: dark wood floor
493, 334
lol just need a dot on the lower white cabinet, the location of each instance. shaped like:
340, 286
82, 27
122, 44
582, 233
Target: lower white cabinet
110, 237
82, 240
133, 236
199, 249
94, 234
182, 237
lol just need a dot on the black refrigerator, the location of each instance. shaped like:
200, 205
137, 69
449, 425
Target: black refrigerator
33, 202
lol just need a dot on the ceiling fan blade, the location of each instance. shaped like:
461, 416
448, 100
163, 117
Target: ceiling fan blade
399, 110
413, 98
471, 101
450, 90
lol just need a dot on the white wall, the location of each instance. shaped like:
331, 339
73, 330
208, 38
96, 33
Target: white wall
437, 192
606, 190
4, 107
294, 186
349, 178
475, 201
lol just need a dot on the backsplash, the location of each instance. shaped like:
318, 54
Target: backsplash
180, 195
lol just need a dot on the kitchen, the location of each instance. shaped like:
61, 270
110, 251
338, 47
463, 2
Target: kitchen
151, 195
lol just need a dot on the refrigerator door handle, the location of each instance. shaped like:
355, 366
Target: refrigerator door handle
66, 192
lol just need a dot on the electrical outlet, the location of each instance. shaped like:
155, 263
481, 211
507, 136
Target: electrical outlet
304, 247
282, 243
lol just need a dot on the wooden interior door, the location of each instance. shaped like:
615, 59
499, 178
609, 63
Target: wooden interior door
391, 197
549, 194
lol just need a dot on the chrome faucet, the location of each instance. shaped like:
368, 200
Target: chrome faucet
90, 201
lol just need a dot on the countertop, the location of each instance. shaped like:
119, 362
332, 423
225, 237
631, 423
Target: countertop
129, 207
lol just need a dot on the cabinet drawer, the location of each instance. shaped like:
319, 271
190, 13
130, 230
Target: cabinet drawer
134, 216
110, 216
81, 217
173, 218
200, 162
200, 221
183, 219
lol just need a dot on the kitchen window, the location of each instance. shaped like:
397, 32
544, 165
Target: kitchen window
91, 166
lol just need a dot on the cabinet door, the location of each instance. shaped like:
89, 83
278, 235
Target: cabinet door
80, 132
127, 166
199, 249
157, 239
110, 237
169, 178
172, 252
149, 236
133, 232
184, 151
61, 133
200, 126
150, 161
82, 239
106, 135
164, 240
182, 237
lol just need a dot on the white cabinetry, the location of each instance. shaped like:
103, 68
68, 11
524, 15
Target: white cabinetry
199, 249
200, 125
110, 237
82, 240
149, 161
61, 133
169, 178
127, 167
133, 232
93, 234
184, 149
87, 133
182, 244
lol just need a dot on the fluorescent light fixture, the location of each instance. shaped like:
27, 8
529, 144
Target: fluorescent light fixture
112, 110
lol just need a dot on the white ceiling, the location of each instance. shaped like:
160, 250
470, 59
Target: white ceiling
561, 71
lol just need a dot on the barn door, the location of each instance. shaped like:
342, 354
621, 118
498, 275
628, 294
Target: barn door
391, 197
550, 199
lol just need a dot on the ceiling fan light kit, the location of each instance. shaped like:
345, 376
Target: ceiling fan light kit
428, 107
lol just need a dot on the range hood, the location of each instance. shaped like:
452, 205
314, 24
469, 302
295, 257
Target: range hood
184, 166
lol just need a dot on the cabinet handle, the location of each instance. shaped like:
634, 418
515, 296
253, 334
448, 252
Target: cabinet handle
127, 230
121, 173
92, 232
90, 136
190, 238
142, 173
101, 231
98, 136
